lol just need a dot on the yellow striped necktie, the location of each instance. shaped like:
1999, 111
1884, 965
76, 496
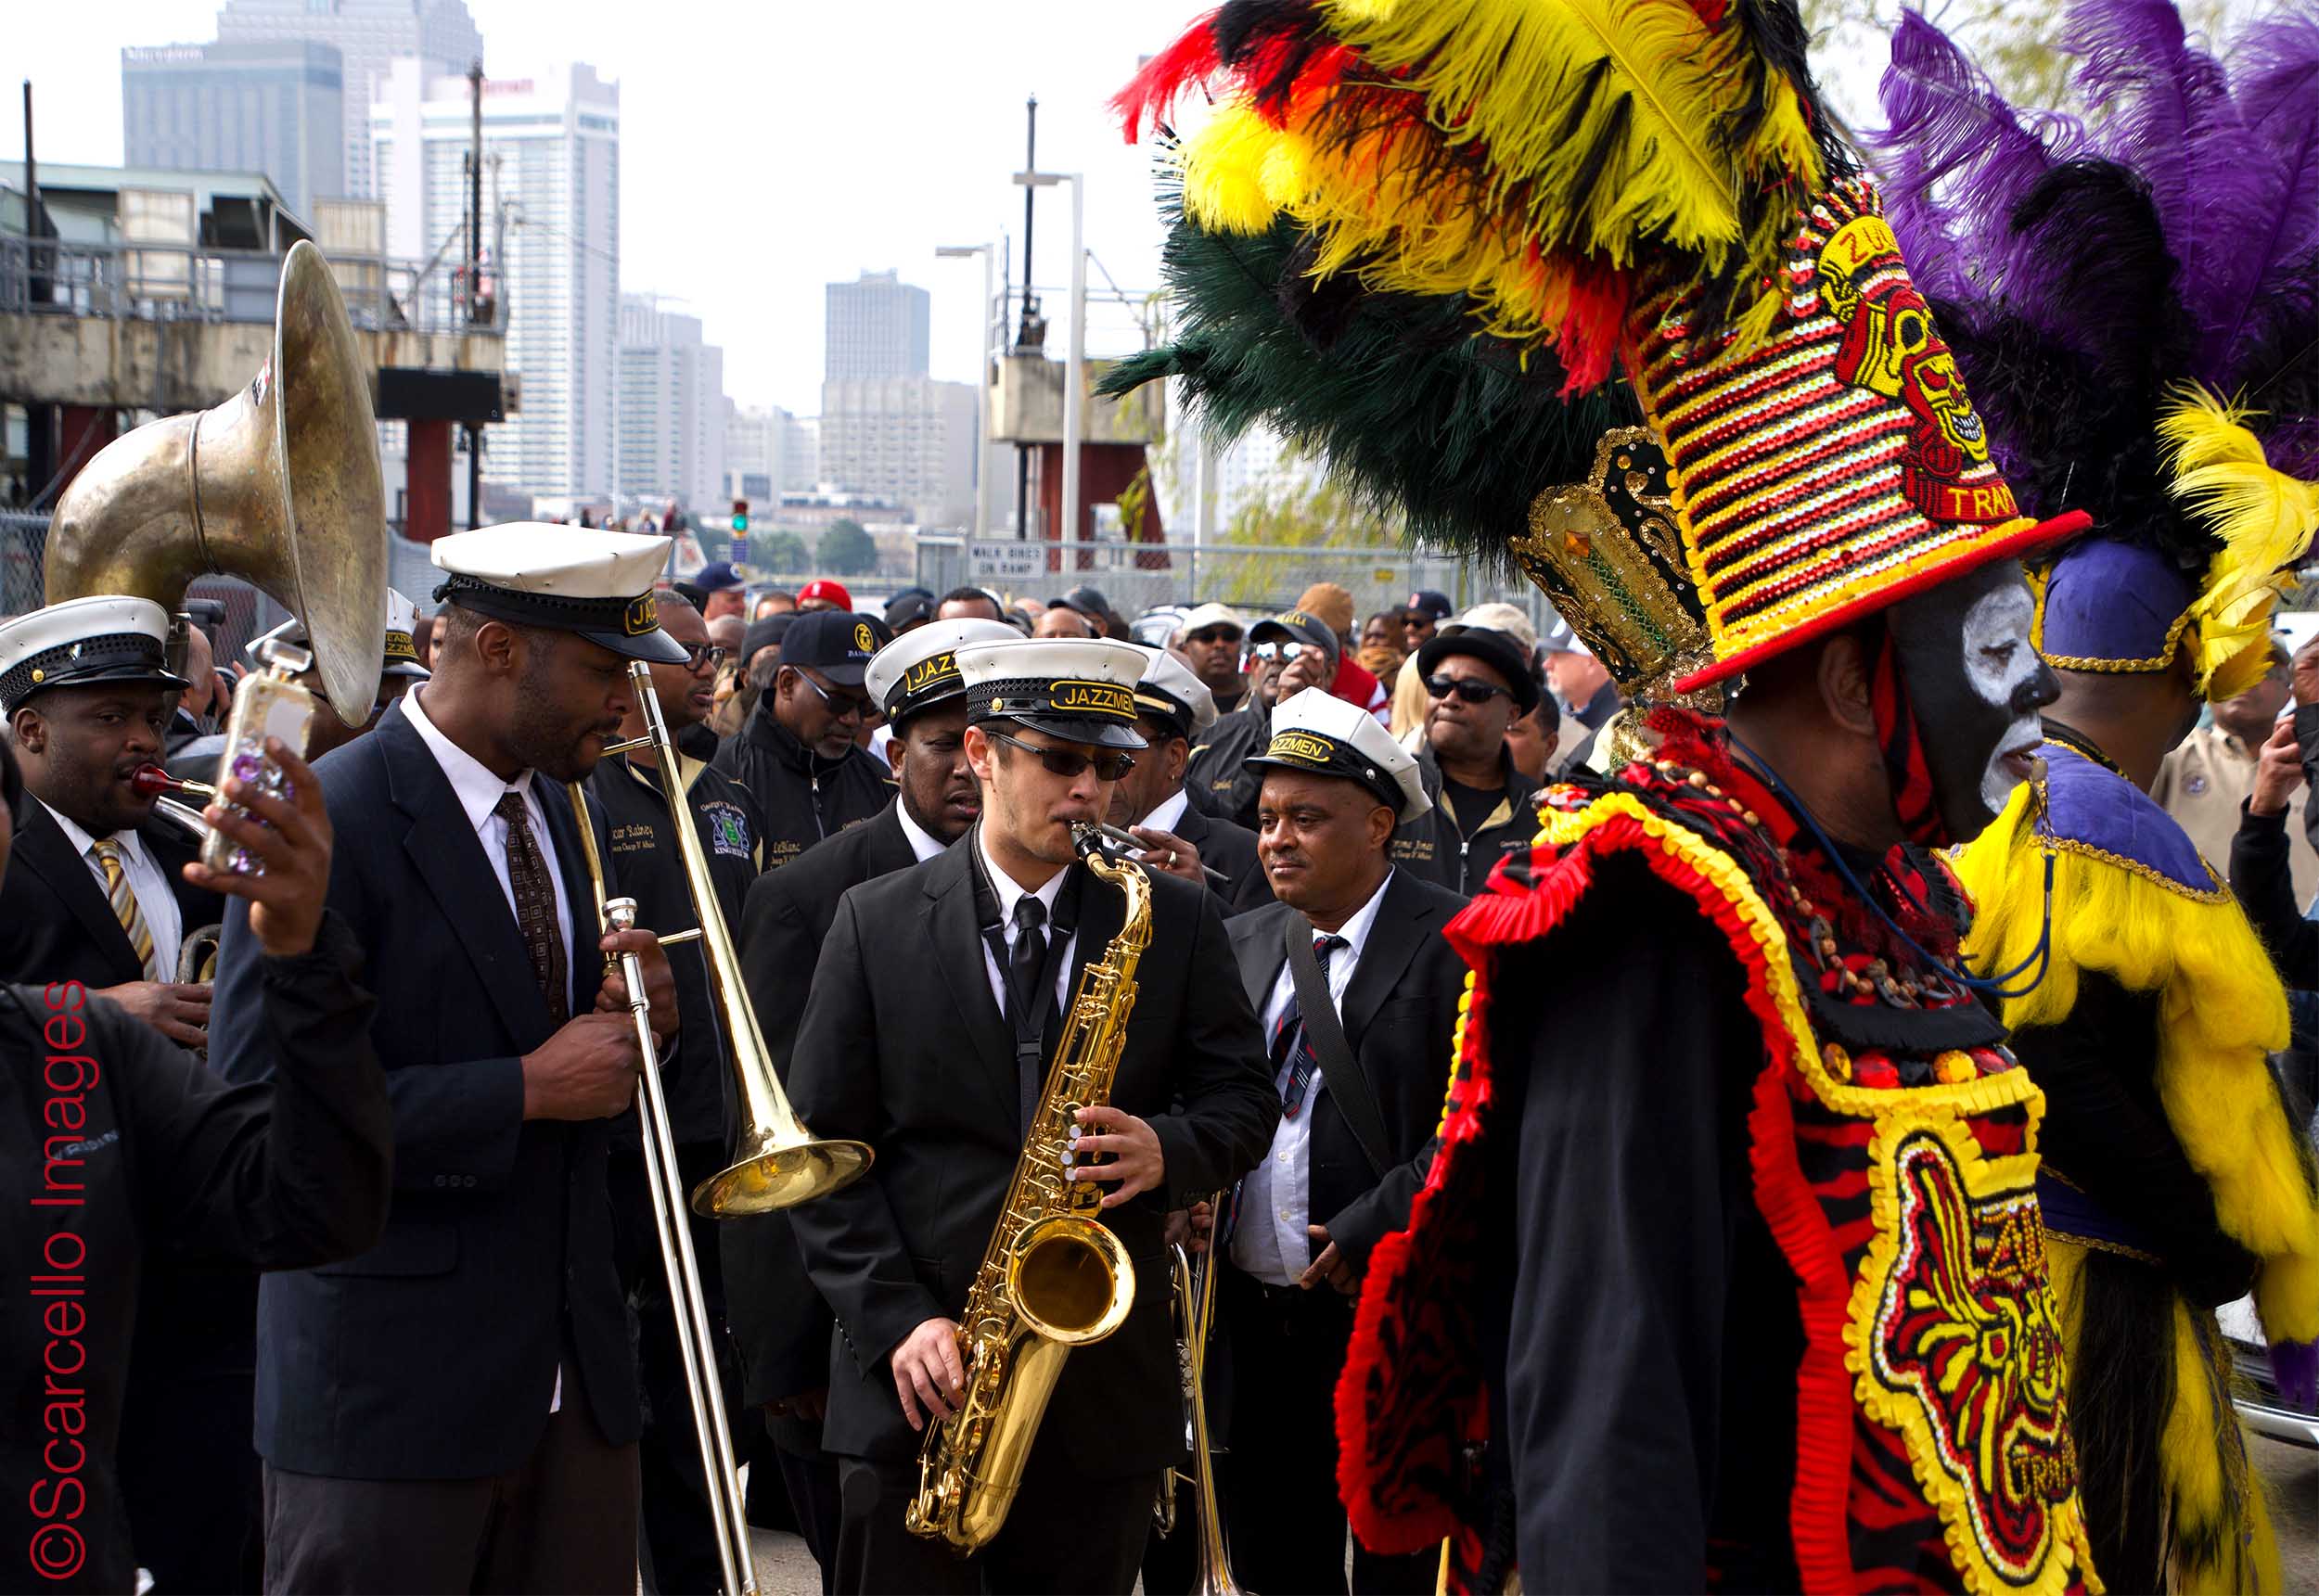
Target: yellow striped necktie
124, 903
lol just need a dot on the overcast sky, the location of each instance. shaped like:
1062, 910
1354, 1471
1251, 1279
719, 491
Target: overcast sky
766, 150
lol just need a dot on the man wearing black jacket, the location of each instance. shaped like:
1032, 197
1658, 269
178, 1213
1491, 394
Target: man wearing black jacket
116, 1143
1172, 708
796, 756
779, 1322
934, 1012
456, 1409
1478, 683
1287, 653
87, 699
1361, 1037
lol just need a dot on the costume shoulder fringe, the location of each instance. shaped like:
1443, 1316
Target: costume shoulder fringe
2222, 1012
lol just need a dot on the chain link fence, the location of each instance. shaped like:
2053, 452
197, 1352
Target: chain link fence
1256, 579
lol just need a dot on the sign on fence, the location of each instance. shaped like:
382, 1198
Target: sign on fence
1006, 561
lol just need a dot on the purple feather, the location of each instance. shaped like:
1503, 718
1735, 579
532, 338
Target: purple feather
2163, 108
1962, 159
2276, 73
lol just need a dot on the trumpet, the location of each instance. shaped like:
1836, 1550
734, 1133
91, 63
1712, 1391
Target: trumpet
152, 781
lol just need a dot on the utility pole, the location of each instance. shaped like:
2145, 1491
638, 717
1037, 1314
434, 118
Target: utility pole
1030, 304
474, 273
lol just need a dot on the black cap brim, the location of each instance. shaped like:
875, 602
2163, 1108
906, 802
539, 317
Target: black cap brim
655, 647
1091, 731
126, 674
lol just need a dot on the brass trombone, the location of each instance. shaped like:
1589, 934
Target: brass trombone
780, 1162
1196, 1302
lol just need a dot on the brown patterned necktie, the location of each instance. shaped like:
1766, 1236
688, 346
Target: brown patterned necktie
535, 907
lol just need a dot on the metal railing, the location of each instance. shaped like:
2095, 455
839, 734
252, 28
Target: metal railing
141, 281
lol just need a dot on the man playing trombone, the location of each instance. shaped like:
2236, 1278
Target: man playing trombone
456, 1409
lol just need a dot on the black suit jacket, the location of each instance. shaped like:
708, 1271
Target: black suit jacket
902, 1045
1229, 848
1399, 1012
433, 1355
779, 1319
55, 923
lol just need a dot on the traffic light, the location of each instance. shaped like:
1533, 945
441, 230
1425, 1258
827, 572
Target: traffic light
740, 517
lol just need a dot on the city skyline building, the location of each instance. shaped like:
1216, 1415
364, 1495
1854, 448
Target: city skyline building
368, 34
875, 328
273, 105
672, 407
551, 250
768, 452
908, 439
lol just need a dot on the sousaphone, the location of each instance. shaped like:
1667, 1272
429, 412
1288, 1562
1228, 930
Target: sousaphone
279, 486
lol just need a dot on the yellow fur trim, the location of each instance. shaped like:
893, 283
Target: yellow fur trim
2264, 517
2193, 1453
2220, 1012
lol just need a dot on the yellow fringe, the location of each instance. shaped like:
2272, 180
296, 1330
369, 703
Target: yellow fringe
2264, 517
2220, 1011
2191, 1452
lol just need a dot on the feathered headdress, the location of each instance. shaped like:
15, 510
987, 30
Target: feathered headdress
2135, 297
1421, 236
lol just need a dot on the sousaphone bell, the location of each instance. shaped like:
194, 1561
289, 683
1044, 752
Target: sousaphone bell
279, 486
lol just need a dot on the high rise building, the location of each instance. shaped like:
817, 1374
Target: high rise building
672, 407
551, 250
367, 35
908, 439
875, 328
768, 452
270, 106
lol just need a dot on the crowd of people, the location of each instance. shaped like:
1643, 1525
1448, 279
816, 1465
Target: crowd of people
1762, 1084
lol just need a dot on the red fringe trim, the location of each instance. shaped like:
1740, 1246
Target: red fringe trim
1151, 93
1507, 914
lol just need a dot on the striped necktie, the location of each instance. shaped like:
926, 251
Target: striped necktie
124, 904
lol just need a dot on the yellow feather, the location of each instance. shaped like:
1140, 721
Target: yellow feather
2264, 517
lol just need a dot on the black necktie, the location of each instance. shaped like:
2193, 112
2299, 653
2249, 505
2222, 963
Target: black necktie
1027, 958
1291, 1047
535, 907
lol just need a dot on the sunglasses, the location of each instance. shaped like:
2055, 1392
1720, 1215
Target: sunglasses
1283, 650
1472, 692
1110, 763
840, 704
700, 654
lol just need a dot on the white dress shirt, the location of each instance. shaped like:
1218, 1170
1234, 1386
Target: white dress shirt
1167, 811
146, 880
1010, 893
924, 844
478, 791
1269, 1240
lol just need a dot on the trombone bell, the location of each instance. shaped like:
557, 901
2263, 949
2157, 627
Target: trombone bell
781, 1171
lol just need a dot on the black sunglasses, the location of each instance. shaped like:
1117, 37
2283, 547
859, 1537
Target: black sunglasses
840, 704
1467, 688
1110, 763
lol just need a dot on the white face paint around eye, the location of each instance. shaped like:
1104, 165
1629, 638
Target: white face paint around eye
1999, 661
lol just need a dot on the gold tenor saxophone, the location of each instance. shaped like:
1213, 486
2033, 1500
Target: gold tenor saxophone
1053, 1276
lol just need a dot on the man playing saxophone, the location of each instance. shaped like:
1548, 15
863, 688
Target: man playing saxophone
941, 993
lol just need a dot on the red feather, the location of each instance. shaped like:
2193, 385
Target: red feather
1154, 90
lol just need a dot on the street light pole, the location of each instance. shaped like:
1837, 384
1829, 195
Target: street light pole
1075, 361
981, 385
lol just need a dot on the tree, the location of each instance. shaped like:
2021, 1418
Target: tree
780, 553
846, 550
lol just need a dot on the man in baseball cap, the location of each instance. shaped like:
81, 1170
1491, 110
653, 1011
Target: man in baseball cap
1287, 653
798, 754
1478, 682
1211, 637
716, 588
1425, 611
824, 594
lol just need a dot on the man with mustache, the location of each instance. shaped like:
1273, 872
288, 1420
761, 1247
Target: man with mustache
455, 1407
631, 790
779, 1321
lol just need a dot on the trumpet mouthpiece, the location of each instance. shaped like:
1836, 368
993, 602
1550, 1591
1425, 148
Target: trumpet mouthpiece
152, 781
